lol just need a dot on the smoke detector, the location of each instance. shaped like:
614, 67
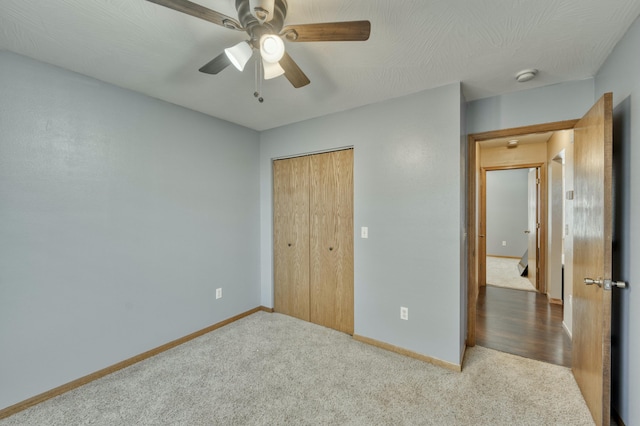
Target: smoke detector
526, 75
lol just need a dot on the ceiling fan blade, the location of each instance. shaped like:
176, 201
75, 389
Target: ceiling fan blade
216, 65
293, 72
329, 31
201, 12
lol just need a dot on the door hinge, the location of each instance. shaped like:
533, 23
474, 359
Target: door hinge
537, 181
538, 225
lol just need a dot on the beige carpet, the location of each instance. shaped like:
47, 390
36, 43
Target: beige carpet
503, 272
270, 369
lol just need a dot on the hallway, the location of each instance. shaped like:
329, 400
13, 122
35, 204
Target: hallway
522, 323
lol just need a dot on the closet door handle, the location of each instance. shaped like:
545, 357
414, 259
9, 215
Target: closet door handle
330, 248
289, 244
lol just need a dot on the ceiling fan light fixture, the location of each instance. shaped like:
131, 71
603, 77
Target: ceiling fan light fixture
271, 48
264, 23
272, 70
239, 54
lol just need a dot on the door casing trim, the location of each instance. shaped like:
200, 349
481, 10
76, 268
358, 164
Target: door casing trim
472, 208
541, 282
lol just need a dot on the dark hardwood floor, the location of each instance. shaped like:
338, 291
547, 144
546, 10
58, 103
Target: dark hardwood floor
522, 323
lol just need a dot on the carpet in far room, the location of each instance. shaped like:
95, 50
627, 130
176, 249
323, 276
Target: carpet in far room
503, 272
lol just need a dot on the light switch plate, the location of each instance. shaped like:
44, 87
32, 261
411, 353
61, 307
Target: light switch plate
364, 232
404, 313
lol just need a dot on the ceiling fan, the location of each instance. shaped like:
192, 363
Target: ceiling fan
263, 21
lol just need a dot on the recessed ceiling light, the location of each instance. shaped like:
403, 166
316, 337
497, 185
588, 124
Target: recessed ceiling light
526, 75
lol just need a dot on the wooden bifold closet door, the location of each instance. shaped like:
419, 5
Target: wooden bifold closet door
313, 238
291, 236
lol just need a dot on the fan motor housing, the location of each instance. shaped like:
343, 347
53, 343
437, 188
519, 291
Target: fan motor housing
252, 25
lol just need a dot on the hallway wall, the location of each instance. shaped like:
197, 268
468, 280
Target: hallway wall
507, 212
562, 142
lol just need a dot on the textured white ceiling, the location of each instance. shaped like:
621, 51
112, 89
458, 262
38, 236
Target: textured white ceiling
414, 45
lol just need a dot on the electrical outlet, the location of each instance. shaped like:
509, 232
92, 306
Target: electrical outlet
218, 293
504, 244
404, 313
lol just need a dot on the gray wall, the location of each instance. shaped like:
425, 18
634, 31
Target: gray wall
565, 101
119, 216
407, 183
507, 212
619, 75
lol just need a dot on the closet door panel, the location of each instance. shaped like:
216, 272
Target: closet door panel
331, 240
291, 236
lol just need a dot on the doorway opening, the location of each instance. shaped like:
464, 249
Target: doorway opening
589, 198
527, 323
512, 228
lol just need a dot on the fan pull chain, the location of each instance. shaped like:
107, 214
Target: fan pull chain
258, 80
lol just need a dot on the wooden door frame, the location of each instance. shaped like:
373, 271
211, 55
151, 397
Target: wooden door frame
541, 208
472, 207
